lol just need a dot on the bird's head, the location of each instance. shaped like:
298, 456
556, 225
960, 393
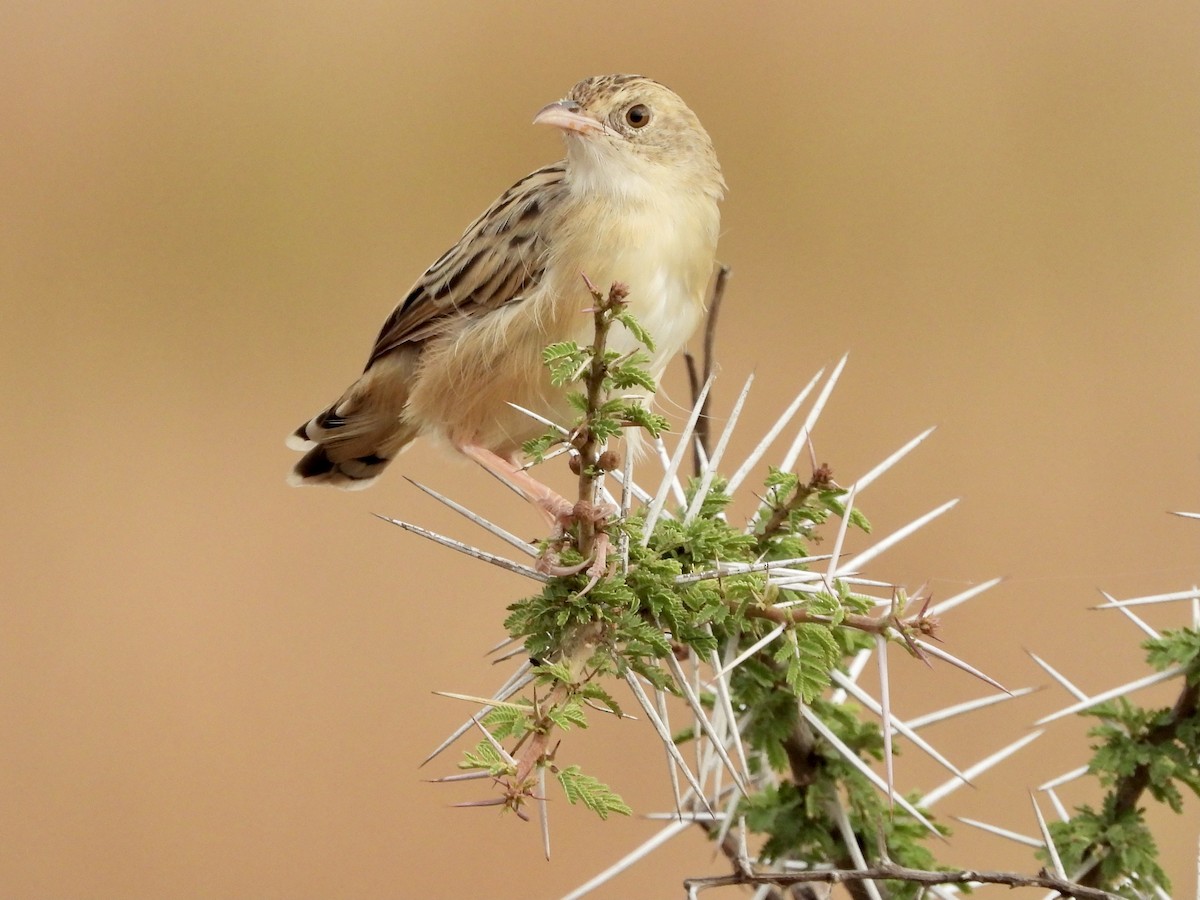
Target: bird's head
629, 135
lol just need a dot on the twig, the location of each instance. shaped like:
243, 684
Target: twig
890, 871
698, 376
1128, 789
590, 448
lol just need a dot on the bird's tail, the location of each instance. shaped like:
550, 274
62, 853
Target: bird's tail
350, 443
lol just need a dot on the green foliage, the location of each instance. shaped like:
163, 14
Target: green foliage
673, 596
666, 601
799, 824
1137, 750
565, 361
508, 720
640, 334
1180, 647
1118, 839
597, 797
485, 756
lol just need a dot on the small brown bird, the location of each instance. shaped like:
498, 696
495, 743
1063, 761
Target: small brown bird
634, 201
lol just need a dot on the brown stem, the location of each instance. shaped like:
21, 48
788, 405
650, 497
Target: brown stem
822, 477
589, 447
919, 623
1129, 788
890, 871
698, 375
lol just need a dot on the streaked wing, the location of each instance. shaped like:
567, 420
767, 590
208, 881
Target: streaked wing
498, 259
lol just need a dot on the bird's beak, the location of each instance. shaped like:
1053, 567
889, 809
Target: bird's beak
565, 114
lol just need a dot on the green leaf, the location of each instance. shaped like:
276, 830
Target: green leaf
485, 757
593, 794
565, 361
508, 721
638, 415
635, 328
596, 694
538, 447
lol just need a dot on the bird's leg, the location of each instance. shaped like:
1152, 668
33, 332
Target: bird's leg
558, 510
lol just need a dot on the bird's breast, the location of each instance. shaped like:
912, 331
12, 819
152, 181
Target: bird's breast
663, 252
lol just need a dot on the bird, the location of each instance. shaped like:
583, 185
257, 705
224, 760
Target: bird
635, 201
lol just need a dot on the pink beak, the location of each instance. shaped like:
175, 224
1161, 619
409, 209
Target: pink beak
565, 114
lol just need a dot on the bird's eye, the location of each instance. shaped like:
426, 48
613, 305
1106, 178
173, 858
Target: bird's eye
638, 116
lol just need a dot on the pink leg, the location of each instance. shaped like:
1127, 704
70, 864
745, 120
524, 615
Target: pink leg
554, 506
559, 511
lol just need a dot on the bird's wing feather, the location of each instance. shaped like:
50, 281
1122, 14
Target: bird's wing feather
498, 260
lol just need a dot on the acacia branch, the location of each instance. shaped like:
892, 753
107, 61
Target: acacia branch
589, 447
1128, 789
920, 623
887, 871
698, 375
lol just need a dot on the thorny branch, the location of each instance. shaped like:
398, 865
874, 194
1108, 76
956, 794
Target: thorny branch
592, 450
1128, 789
822, 479
890, 871
698, 375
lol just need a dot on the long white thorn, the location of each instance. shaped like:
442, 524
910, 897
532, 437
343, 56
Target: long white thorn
802, 436
1063, 779
467, 549
1014, 836
958, 599
664, 735
1059, 808
1122, 690
955, 661
516, 682
885, 704
711, 464
543, 810
676, 486
1048, 842
702, 720
858, 563
748, 652
644, 849
901, 726
626, 504
724, 696
735, 480
866, 480
685, 441
801, 440
1152, 598
850, 842
660, 698
958, 709
851, 757
541, 419
507, 536
1135, 619
496, 745
725, 570
843, 527
1058, 676
727, 820
953, 784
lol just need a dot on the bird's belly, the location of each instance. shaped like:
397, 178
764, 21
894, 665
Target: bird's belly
466, 381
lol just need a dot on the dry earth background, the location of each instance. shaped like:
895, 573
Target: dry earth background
216, 686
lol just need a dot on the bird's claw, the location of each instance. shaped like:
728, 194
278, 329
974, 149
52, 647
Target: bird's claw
596, 564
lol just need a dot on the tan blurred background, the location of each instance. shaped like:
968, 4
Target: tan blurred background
217, 686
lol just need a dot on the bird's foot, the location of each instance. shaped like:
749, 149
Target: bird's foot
566, 516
